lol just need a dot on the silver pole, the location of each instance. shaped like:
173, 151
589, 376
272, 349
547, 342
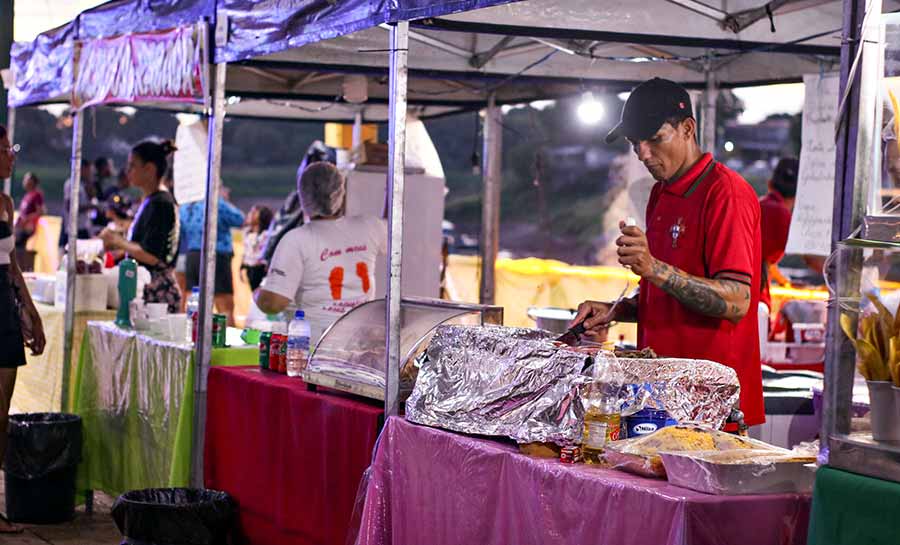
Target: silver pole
357, 131
207, 274
71, 254
490, 207
708, 131
11, 133
396, 178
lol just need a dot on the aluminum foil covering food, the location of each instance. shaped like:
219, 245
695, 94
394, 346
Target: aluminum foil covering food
694, 390
518, 383
494, 380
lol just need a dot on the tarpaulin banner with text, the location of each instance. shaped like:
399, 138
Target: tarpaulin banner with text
164, 66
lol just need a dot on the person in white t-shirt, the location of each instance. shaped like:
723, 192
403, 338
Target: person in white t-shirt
325, 267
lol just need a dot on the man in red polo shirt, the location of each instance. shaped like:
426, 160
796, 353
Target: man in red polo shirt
700, 259
775, 221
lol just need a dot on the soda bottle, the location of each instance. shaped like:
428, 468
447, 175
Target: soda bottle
297, 344
191, 309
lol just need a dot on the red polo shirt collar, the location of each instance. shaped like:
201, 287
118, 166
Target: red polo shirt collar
775, 196
683, 184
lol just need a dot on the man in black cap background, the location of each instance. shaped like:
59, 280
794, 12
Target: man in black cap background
700, 259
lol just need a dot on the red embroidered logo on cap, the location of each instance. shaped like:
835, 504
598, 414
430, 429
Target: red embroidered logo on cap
681, 105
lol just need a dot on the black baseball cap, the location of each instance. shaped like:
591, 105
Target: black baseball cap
650, 105
784, 177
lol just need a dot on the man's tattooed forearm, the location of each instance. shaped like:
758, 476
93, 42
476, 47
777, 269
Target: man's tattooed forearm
696, 295
717, 297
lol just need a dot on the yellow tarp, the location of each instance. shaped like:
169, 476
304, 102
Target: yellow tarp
39, 383
531, 282
523, 283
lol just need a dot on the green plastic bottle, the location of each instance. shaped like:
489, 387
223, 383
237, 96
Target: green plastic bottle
127, 291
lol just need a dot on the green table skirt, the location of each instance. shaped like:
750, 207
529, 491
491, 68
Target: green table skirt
851, 509
135, 395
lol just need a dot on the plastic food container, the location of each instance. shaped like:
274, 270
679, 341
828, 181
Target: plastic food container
740, 472
809, 333
646, 421
90, 291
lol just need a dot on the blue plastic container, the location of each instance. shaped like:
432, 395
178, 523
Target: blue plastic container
646, 421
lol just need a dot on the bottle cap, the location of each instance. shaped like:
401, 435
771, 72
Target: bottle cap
195, 289
299, 315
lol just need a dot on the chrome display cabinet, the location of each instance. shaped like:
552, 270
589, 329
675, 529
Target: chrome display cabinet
350, 356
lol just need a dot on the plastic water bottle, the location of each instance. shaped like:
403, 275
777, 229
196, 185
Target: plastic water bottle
297, 344
191, 309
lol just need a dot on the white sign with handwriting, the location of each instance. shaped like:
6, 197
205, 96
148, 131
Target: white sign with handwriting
810, 232
190, 162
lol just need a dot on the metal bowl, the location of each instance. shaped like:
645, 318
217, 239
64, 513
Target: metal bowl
552, 319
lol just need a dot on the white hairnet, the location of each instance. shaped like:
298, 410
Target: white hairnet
322, 190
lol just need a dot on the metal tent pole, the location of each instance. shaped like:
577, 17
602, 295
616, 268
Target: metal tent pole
357, 131
203, 350
6, 41
11, 133
71, 254
708, 130
490, 207
396, 179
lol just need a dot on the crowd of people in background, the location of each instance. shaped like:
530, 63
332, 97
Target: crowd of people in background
134, 211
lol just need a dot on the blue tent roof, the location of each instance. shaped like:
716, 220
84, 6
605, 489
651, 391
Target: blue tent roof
255, 28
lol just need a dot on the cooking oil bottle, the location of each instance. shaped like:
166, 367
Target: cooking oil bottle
602, 424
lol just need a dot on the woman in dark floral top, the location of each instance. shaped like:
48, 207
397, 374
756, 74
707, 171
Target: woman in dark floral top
152, 240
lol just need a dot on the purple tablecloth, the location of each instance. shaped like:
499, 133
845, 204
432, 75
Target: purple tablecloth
432, 486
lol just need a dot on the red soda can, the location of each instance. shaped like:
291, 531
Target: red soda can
282, 360
274, 352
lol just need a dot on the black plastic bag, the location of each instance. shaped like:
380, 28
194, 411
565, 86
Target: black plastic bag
40, 443
182, 516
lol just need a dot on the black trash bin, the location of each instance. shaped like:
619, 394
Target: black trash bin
174, 516
40, 467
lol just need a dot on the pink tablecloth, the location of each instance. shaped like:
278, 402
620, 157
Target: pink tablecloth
432, 486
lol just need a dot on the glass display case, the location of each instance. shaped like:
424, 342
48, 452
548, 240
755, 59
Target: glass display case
864, 277
351, 356
866, 286
883, 177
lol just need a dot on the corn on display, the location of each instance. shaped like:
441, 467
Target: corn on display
877, 342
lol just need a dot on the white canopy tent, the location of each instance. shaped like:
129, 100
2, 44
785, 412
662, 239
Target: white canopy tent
529, 50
